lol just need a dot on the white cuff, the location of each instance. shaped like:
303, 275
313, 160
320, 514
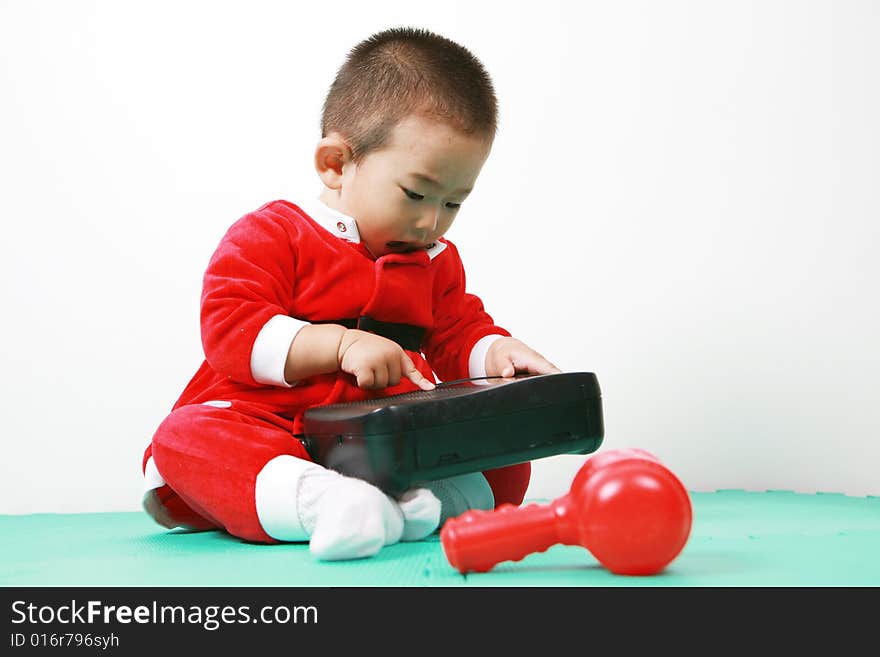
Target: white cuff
275, 494
269, 355
152, 478
477, 360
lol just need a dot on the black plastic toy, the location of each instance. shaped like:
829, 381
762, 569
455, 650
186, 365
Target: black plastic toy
462, 426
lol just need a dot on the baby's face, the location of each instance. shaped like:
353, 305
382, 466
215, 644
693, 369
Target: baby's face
406, 195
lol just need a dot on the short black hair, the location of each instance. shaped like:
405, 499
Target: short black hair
404, 71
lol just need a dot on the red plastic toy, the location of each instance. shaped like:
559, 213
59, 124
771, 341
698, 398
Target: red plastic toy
629, 510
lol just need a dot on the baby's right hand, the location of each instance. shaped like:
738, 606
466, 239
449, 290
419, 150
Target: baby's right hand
377, 362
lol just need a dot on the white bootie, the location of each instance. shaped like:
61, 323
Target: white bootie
421, 513
348, 518
341, 517
353, 519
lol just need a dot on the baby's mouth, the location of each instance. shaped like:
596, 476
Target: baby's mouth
402, 247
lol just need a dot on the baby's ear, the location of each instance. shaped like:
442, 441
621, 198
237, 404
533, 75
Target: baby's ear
331, 155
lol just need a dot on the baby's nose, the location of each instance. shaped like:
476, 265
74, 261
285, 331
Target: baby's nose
426, 225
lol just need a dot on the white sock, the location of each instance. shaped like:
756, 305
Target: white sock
346, 518
421, 513
341, 517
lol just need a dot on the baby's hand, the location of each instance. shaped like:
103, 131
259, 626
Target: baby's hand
377, 362
509, 357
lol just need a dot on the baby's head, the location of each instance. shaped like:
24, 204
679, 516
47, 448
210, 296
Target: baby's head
406, 127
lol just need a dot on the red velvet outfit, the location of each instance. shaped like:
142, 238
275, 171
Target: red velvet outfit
277, 269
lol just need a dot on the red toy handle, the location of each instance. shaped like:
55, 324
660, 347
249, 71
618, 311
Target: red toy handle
477, 540
629, 510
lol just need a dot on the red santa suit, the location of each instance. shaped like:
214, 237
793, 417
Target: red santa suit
226, 456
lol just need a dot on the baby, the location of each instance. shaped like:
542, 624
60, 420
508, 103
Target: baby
350, 295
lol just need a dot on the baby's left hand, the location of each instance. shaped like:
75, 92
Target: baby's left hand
509, 357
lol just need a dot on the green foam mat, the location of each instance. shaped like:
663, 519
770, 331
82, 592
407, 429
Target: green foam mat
773, 538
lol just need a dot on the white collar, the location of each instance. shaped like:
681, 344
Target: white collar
334, 221
341, 225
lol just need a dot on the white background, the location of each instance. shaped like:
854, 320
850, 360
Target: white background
683, 198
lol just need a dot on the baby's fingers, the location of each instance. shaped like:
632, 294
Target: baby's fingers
509, 369
529, 364
414, 375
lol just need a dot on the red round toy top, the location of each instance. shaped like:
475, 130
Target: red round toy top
631, 511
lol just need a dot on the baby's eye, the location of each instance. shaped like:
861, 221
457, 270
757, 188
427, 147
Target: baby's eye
412, 195
453, 206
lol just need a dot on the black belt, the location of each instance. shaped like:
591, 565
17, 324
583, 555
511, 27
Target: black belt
406, 335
